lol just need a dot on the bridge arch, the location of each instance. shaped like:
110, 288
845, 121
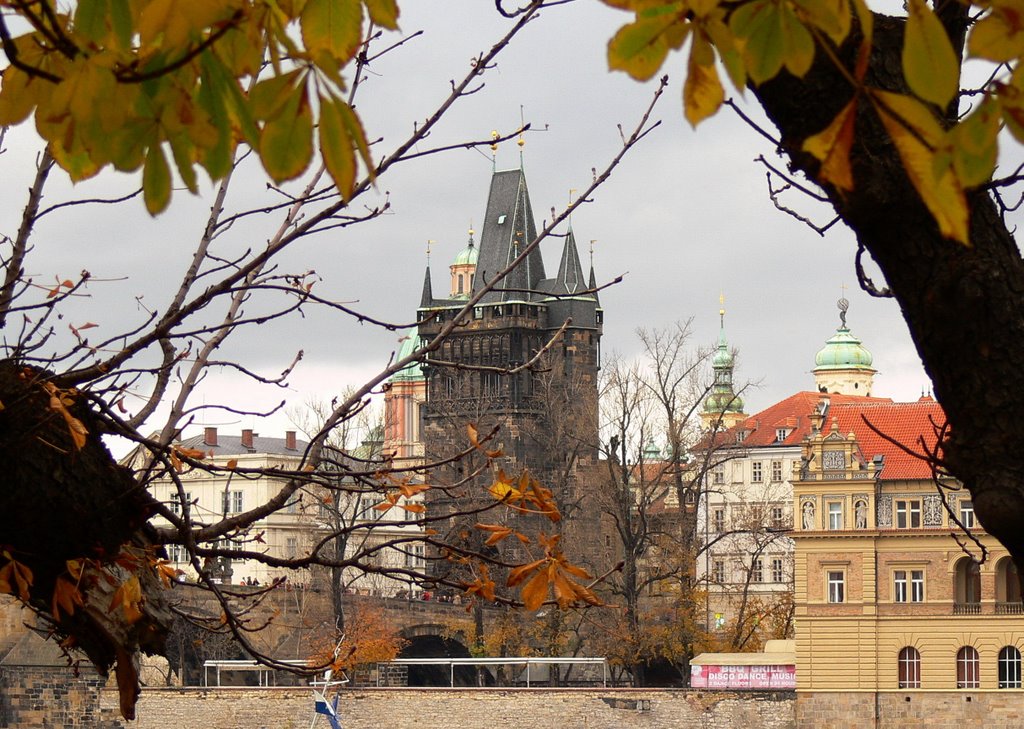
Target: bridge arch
428, 640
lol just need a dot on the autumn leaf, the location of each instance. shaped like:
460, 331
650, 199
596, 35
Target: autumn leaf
498, 532
15, 578
832, 147
535, 591
128, 596
520, 573
66, 596
411, 489
974, 144
59, 401
702, 91
413, 508
998, 35
640, 47
286, 143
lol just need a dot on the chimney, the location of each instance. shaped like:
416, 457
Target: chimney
247, 439
289, 440
210, 436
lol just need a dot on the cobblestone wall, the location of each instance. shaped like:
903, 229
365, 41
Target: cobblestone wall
231, 708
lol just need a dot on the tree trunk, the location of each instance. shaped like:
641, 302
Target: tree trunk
963, 305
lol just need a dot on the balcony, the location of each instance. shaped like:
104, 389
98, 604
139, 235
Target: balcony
1010, 608
967, 608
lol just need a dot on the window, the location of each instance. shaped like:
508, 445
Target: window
718, 570
231, 502
836, 586
778, 516
718, 519
899, 586
756, 472
835, 515
414, 557
909, 668
719, 475
967, 513
908, 586
780, 434
176, 553
461, 284
776, 471
968, 668
176, 505
757, 570
917, 586
1009, 667
291, 547
908, 514
778, 575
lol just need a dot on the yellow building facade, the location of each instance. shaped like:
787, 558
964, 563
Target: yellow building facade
903, 617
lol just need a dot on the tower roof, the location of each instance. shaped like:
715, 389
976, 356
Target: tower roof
410, 343
843, 351
467, 256
508, 228
723, 398
570, 271
427, 298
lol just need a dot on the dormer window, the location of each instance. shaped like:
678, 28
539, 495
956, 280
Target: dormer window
781, 434
501, 220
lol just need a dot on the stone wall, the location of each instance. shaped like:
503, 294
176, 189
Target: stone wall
278, 708
50, 698
911, 709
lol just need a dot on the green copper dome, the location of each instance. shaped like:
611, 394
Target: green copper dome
410, 342
723, 402
467, 256
722, 398
843, 352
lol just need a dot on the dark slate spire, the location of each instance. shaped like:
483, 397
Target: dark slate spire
427, 299
593, 284
508, 227
570, 272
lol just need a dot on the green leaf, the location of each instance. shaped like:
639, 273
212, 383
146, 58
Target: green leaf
929, 63
640, 48
975, 145
270, 95
286, 144
336, 146
183, 152
355, 131
156, 180
332, 26
759, 25
121, 23
225, 87
91, 19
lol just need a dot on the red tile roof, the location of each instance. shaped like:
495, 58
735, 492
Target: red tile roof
792, 413
907, 423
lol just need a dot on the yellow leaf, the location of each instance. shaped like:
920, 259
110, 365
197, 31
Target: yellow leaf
832, 147
831, 16
332, 27
929, 63
999, 35
702, 91
65, 597
917, 135
128, 596
383, 13
640, 48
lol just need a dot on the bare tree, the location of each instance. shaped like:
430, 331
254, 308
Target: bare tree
76, 523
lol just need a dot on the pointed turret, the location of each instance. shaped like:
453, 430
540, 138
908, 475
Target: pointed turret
570, 272
508, 228
427, 299
593, 284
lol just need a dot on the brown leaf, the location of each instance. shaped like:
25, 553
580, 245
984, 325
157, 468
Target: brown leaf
535, 591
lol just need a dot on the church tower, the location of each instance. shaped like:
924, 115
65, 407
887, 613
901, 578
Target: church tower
723, 408
524, 359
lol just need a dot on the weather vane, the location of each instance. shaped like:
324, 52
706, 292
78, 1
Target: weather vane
430, 242
844, 306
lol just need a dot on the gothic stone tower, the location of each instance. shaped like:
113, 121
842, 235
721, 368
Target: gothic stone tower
547, 413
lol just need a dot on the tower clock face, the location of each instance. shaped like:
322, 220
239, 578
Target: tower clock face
833, 460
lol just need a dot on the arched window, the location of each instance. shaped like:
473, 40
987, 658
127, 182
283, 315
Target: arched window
968, 587
909, 668
1009, 667
1008, 600
968, 668
461, 284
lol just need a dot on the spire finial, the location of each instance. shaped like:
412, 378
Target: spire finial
471, 231
592, 242
721, 309
494, 150
844, 306
521, 142
430, 242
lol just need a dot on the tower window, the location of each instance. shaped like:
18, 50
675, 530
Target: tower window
461, 284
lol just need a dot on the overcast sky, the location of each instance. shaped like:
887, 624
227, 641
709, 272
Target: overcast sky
685, 218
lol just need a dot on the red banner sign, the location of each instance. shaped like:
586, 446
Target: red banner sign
743, 677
